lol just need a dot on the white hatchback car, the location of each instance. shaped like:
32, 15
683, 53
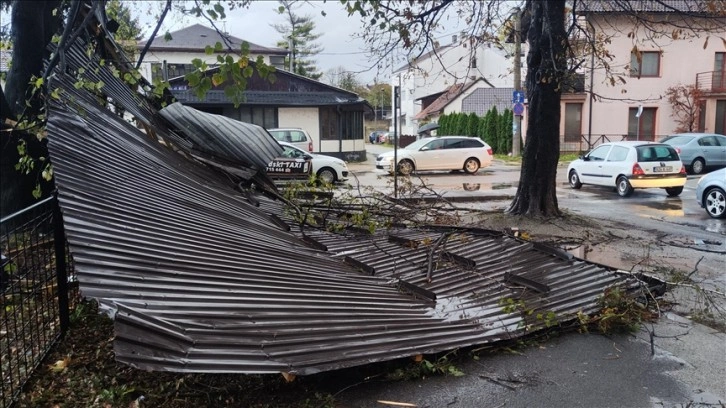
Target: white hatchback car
711, 193
327, 169
630, 165
439, 153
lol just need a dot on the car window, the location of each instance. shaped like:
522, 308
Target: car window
454, 144
297, 136
435, 144
721, 140
278, 135
292, 153
656, 153
677, 140
599, 153
708, 141
619, 153
463, 143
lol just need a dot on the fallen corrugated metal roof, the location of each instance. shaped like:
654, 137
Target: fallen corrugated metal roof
205, 277
224, 138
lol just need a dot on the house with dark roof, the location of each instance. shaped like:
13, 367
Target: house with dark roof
171, 55
333, 117
444, 69
474, 96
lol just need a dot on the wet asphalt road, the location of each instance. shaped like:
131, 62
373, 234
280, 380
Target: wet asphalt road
684, 366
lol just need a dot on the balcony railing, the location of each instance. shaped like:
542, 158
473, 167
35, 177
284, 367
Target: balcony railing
712, 81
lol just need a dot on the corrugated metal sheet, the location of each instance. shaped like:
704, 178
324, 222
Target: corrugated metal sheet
203, 279
230, 140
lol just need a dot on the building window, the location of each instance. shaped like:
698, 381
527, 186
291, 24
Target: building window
573, 122
277, 61
642, 128
351, 124
649, 65
173, 70
260, 116
720, 125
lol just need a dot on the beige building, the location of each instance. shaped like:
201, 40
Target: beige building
610, 111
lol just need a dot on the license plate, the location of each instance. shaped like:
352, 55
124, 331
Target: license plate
663, 169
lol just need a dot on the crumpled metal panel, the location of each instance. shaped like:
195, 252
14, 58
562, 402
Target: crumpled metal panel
227, 138
202, 279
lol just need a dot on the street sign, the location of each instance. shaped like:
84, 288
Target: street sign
518, 109
518, 97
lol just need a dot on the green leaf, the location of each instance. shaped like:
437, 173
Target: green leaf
218, 46
167, 36
212, 14
248, 71
37, 192
281, 9
208, 50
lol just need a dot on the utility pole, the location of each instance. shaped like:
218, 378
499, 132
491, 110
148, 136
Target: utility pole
517, 134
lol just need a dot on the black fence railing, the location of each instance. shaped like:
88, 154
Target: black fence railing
38, 292
583, 143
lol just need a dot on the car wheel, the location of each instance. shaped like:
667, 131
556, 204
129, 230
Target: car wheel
698, 166
714, 201
674, 191
471, 165
623, 186
405, 167
326, 175
575, 180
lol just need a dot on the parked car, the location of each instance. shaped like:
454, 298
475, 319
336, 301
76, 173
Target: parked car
711, 193
439, 153
383, 137
630, 165
289, 168
376, 135
699, 150
295, 136
327, 169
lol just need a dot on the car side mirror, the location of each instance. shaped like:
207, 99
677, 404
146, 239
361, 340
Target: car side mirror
585, 158
425, 148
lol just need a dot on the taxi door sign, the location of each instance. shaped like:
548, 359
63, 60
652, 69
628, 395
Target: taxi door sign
288, 167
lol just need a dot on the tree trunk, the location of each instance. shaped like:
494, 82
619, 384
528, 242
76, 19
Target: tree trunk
546, 66
33, 26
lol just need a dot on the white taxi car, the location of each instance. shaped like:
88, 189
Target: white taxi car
439, 153
327, 169
629, 165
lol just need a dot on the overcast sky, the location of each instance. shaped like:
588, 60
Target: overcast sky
338, 32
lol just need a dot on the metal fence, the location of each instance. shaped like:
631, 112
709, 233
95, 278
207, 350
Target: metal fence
36, 295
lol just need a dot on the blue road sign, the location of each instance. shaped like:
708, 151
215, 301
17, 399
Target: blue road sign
518, 97
518, 109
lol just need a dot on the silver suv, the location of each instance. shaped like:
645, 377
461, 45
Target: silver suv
294, 136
